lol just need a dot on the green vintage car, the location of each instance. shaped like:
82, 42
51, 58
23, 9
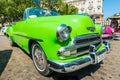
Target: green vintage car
61, 43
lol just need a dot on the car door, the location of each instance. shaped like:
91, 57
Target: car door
20, 33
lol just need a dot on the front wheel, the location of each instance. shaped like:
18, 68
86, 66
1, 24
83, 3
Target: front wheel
40, 60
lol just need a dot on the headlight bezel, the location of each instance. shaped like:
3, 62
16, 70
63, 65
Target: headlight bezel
63, 32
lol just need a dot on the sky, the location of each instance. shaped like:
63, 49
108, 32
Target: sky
110, 7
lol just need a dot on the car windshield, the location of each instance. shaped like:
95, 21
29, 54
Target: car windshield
37, 12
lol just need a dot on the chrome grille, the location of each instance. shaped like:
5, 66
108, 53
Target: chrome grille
86, 38
80, 45
84, 42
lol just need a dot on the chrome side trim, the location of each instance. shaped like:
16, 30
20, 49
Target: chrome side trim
28, 37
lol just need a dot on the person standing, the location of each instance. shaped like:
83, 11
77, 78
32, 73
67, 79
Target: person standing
114, 24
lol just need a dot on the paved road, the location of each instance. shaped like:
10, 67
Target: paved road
15, 64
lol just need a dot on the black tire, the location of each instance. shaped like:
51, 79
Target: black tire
40, 60
11, 42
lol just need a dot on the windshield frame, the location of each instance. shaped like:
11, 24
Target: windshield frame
38, 12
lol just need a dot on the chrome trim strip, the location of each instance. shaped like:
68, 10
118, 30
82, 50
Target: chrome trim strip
87, 36
82, 37
80, 45
28, 37
82, 52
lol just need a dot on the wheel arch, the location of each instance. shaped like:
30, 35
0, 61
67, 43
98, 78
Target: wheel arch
47, 71
30, 43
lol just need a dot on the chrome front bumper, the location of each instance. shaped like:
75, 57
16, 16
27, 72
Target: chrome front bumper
80, 63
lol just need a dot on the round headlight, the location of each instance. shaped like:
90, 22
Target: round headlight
63, 32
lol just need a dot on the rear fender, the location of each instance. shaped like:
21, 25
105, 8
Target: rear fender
9, 31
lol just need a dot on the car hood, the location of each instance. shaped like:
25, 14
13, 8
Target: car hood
80, 24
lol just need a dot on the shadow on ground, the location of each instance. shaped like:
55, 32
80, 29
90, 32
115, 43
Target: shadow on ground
77, 75
4, 59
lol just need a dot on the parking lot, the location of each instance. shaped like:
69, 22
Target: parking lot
15, 64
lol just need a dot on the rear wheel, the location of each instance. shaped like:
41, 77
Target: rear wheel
40, 60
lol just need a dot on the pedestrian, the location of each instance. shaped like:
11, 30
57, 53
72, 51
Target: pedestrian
114, 24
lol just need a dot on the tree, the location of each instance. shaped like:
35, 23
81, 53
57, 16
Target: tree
12, 10
59, 6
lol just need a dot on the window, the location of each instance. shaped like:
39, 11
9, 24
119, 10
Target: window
99, 7
99, 1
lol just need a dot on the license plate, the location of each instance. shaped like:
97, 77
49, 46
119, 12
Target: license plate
101, 57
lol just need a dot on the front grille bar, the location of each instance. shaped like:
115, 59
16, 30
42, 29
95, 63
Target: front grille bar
73, 46
86, 38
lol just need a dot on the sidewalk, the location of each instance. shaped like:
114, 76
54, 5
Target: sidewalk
1, 34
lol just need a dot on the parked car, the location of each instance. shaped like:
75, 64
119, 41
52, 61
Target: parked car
115, 24
3, 30
116, 35
107, 32
61, 43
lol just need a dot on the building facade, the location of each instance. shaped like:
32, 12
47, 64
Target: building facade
92, 7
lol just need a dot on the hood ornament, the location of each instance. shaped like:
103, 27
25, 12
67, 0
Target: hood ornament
91, 29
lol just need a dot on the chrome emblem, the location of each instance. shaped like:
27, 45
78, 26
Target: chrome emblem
91, 28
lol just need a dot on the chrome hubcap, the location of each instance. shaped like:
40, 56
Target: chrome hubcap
39, 58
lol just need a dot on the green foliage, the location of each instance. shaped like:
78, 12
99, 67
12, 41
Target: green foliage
12, 10
59, 6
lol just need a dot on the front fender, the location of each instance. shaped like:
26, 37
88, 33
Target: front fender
98, 28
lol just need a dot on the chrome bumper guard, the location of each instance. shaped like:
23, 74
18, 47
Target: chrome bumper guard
93, 58
107, 45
